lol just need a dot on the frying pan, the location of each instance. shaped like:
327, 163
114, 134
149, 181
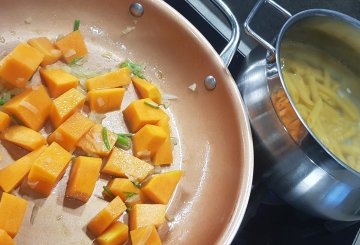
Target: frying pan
215, 144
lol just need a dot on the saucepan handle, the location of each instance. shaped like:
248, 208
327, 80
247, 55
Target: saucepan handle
228, 52
256, 36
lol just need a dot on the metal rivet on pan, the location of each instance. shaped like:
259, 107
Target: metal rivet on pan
210, 83
136, 9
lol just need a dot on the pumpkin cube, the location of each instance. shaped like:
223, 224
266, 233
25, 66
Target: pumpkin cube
114, 79
13, 174
5, 121
72, 46
125, 189
93, 143
5, 239
19, 65
163, 155
106, 216
65, 105
142, 215
84, 174
164, 124
31, 107
146, 89
69, 133
147, 140
58, 81
123, 164
116, 234
48, 49
160, 188
147, 235
139, 113
24, 137
12, 211
105, 100
48, 169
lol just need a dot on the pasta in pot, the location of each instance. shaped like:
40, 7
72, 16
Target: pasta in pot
325, 93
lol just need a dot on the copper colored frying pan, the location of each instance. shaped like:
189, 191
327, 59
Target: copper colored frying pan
215, 145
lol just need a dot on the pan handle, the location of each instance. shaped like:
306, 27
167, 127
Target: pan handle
228, 52
256, 36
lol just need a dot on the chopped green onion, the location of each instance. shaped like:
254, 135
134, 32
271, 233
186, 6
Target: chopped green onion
75, 61
166, 105
136, 183
152, 104
2, 102
129, 194
73, 158
105, 138
126, 134
137, 70
76, 25
123, 142
107, 191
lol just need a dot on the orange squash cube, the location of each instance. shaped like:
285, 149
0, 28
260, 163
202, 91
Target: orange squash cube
116, 234
58, 81
142, 215
48, 169
163, 155
138, 114
105, 100
160, 188
93, 143
106, 216
24, 137
48, 49
123, 164
12, 211
69, 133
146, 89
114, 79
65, 105
72, 46
31, 107
19, 65
147, 235
84, 174
5, 239
123, 187
5, 121
164, 124
147, 140
13, 174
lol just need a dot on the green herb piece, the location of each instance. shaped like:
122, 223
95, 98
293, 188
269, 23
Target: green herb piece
137, 70
76, 24
126, 134
108, 192
2, 102
136, 183
123, 142
151, 104
73, 158
129, 194
105, 138
166, 105
75, 61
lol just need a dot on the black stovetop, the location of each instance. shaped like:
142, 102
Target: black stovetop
269, 220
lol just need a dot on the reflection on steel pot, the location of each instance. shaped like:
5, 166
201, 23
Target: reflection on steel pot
304, 173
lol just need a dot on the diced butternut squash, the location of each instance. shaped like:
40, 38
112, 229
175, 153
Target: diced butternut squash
65, 105
116, 234
138, 114
48, 49
19, 65
24, 137
5, 239
12, 211
84, 174
106, 216
142, 215
147, 140
69, 133
31, 107
58, 81
124, 188
114, 79
72, 46
163, 155
13, 174
123, 164
164, 124
105, 100
146, 89
5, 121
147, 235
93, 143
160, 188
48, 169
